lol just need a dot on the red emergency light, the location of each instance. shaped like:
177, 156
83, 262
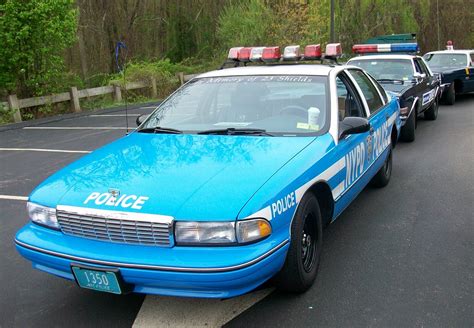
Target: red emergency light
364, 48
271, 54
312, 51
244, 54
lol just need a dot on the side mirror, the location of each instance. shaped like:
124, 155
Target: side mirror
140, 119
419, 76
353, 125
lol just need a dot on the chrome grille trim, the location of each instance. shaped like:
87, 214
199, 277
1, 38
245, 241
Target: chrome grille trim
115, 226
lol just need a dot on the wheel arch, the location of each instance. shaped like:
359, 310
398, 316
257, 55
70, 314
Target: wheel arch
394, 136
457, 85
323, 194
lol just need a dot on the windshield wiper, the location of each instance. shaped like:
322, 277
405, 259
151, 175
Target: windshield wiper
159, 129
238, 131
394, 81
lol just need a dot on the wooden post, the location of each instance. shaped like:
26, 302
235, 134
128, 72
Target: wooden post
181, 77
75, 105
154, 91
117, 93
14, 104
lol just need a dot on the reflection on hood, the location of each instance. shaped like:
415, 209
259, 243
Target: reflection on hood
203, 177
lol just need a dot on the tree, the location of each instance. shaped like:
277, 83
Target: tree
33, 37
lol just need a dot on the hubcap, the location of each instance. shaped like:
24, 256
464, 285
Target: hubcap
308, 244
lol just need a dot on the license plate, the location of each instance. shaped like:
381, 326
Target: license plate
100, 280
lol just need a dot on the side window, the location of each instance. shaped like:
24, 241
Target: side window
418, 67
347, 101
472, 59
368, 89
424, 69
379, 88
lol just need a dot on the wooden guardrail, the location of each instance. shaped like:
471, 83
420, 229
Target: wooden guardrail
74, 95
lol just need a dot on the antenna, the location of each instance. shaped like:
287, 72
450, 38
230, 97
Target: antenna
122, 69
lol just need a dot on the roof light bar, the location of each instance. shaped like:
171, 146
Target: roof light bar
271, 54
385, 47
312, 51
256, 54
292, 53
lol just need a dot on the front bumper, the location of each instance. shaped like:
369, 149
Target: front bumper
206, 280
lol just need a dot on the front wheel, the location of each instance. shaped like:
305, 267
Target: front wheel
432, 112
449, 96
408, 130
302, 261
382, 178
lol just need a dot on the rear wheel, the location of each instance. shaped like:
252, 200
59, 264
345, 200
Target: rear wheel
450, 95
432, 112
382, 178
302, 261
408, 130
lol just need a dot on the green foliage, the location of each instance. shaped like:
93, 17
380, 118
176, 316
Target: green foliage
244, 24
33, 36
359, 20
299, 23
281, 23
6, 115
164, 72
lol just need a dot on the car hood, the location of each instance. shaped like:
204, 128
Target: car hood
397, 88
198, 177
444, 69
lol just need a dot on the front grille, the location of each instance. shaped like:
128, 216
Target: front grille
115, 230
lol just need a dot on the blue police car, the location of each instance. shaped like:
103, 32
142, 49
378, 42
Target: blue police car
228, 183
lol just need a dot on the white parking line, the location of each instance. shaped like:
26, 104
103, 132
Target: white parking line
47, 150
113, 115
194, 312
74, 128
148, 107
23, 198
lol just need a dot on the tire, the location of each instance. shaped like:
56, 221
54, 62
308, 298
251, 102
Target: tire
302, 261
382, 178
449, 97
432, 112
408, 130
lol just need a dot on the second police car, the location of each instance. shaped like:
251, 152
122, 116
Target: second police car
405, 74
228, 183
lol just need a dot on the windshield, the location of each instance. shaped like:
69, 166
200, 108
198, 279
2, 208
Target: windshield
446, 60
280, 105
386, 69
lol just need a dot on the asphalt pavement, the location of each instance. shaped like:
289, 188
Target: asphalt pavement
401, 256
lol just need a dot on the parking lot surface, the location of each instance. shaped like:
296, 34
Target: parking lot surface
401, 256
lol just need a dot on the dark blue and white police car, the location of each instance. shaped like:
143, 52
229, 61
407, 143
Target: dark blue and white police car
398, 69
228, 183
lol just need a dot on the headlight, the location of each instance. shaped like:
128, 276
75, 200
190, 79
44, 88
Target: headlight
43, 215
221, 233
